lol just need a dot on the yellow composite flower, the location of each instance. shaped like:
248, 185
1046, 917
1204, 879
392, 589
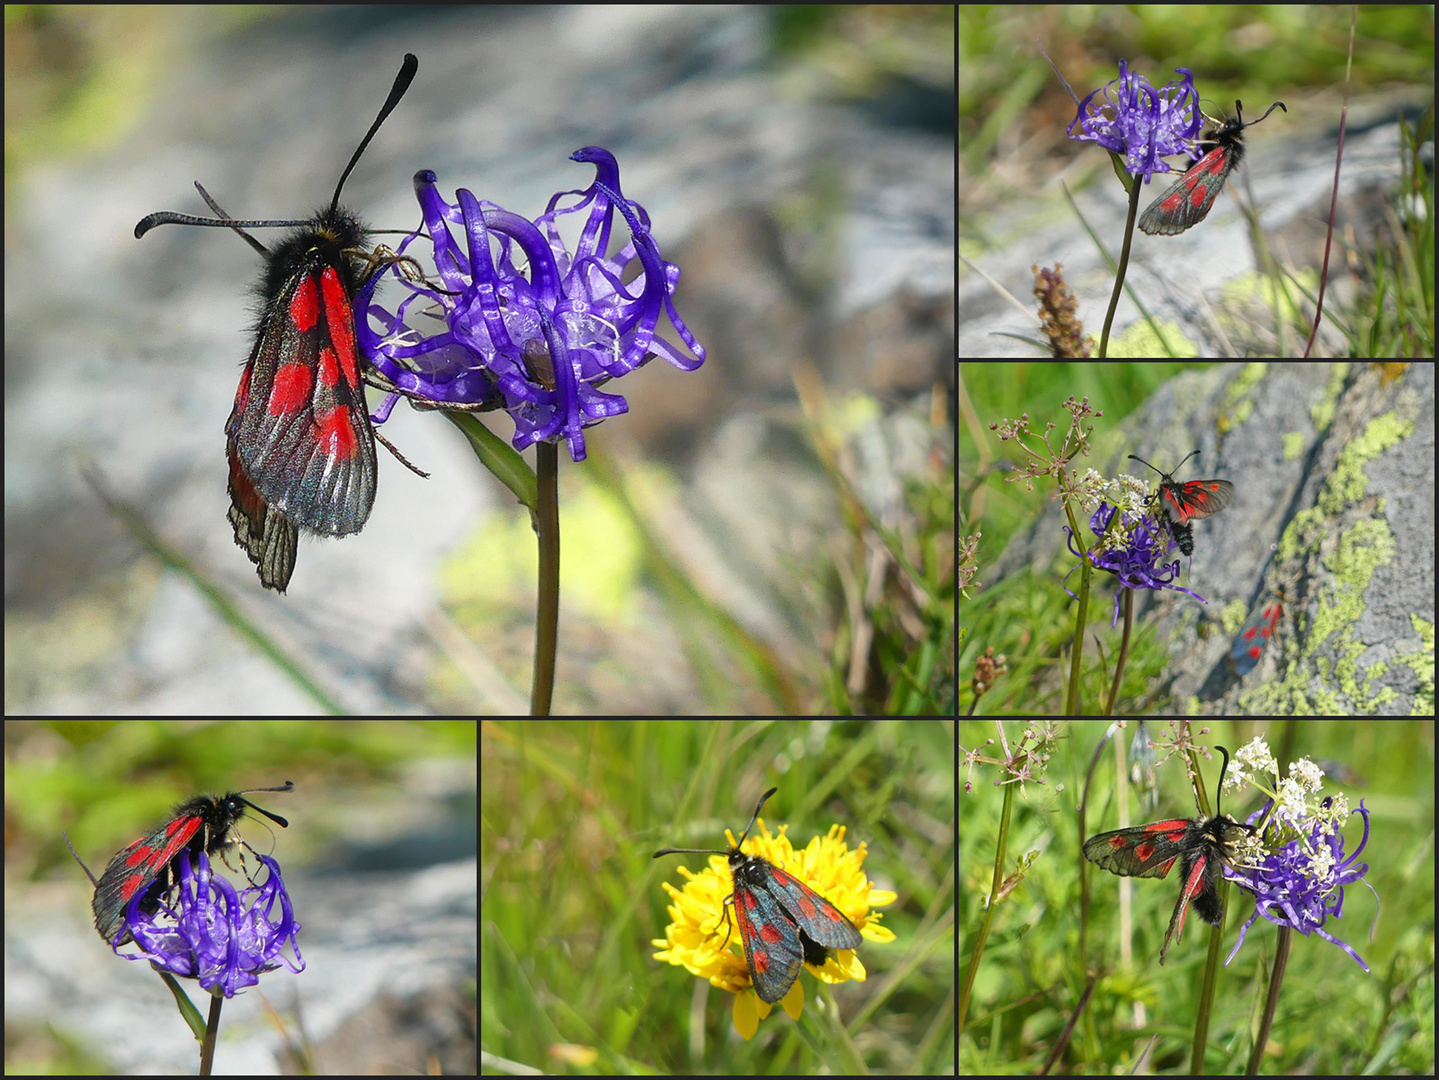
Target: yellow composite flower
701, 934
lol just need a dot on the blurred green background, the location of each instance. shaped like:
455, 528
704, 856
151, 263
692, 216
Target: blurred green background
571, 899
106, 782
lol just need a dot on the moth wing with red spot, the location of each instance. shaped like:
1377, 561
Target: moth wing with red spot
1140, 851
300, 432
815, 915
270, 539
772, 949
134, 868
1187, 202
139, 869
1195, 499
1256, 634
1198, 888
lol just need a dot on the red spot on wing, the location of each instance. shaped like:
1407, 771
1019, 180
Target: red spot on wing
291, 390
303, 308
336, 432
131, 885
340, 320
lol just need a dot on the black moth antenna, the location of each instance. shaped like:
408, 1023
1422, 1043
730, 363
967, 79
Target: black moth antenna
712, 851
1161, 472
169, 217
1239, 112
289, 786
1219, 792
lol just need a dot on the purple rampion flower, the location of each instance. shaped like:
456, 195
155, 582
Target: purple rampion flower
537, 343
1136, 560
1301, 884
223, 937
1140, 123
